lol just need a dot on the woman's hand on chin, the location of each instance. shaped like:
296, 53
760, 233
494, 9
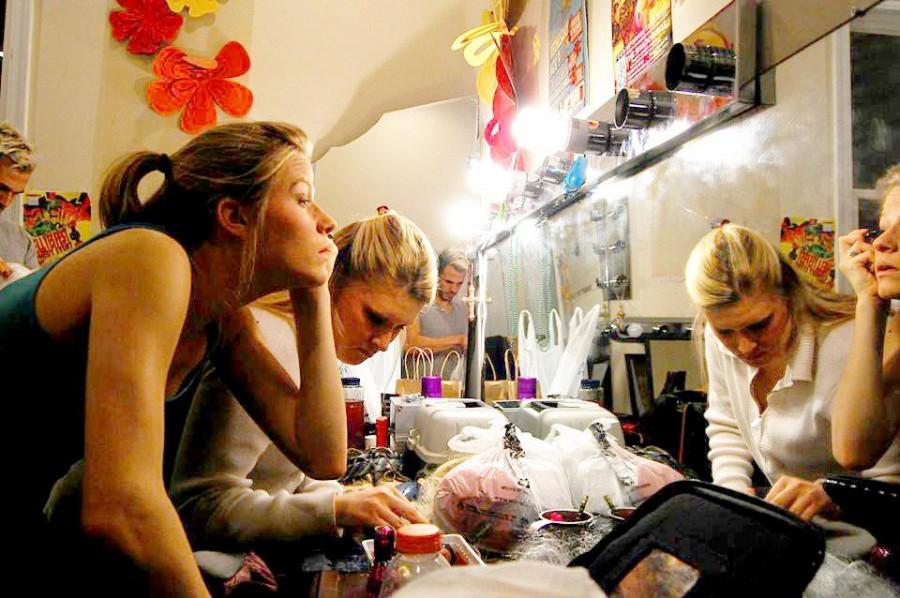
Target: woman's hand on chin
857, 263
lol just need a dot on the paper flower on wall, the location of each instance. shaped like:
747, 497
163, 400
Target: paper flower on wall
199, 84
146, 24
479, 46
488, 47
197, 8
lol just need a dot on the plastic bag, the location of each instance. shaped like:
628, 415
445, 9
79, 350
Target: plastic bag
536, 361
572, 363
493, 497
599, 468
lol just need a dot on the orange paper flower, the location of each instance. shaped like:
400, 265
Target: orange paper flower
199, 84
146, 24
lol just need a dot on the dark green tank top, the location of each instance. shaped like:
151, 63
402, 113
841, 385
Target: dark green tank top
42, 388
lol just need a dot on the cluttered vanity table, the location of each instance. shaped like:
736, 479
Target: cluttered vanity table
584, 396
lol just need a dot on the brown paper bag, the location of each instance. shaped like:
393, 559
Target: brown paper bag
512, 386
451, 389
493, 389
423, 365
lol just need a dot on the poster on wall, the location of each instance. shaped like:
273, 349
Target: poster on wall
641, 35
568, 55
809, 245
57, 221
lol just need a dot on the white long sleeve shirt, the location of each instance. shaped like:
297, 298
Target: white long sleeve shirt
793, 435
231, 484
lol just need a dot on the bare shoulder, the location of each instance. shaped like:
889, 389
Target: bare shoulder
139, 268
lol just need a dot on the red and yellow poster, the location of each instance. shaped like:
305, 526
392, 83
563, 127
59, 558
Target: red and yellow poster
57, 221
809, 245
641, 35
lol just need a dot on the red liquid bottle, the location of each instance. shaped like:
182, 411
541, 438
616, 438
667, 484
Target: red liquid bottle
384, 551
356, 413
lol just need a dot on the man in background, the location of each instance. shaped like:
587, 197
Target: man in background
443, 326
16, 166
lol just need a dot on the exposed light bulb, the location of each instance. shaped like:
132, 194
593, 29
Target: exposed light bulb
489, 180
541, 131
466, 218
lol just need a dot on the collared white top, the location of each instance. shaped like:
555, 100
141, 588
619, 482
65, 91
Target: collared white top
793, 435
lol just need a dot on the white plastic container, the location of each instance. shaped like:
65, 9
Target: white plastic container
403, 418
439, 420
512, 410
538, 416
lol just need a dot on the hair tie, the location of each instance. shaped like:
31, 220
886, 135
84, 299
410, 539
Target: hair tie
165, 166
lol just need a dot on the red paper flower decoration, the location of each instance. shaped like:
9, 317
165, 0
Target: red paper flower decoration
498, 132
146, 24
199, 84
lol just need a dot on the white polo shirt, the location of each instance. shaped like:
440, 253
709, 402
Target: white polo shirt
793, 435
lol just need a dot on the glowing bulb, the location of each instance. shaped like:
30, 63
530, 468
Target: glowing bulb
489, 180
466, 218
529, 232
541, 131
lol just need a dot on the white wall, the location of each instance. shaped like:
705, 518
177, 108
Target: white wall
413, 160
330, 67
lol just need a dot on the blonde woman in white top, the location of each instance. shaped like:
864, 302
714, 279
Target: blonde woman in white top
775, 348
232, 484
867, 406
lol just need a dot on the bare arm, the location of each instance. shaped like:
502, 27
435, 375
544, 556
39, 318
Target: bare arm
414, 338
138, 304
307, 423
866, 411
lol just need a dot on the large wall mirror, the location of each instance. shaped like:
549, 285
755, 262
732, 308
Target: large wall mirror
622, 243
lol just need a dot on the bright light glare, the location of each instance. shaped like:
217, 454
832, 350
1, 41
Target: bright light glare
541, 131
466, 218
489, 180
529, 232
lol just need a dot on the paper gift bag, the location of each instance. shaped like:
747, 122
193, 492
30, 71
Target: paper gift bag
422, 365
451, 389
512, 386
494, 389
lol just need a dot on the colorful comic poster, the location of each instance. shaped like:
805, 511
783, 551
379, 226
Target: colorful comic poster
57, 221
641, 35
568, 55
809, 245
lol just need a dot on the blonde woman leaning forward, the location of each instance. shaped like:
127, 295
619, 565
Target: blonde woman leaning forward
109, 332
867, 405
232, 485
774, 348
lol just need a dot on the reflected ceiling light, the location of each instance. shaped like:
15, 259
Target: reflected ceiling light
638, 109
465, 218
542, 131
529, 231
546, 132
701, 69
490, 180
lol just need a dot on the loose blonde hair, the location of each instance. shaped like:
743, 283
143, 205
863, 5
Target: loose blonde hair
14, 148
237, 160
385, 248
732, 262
887, 181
